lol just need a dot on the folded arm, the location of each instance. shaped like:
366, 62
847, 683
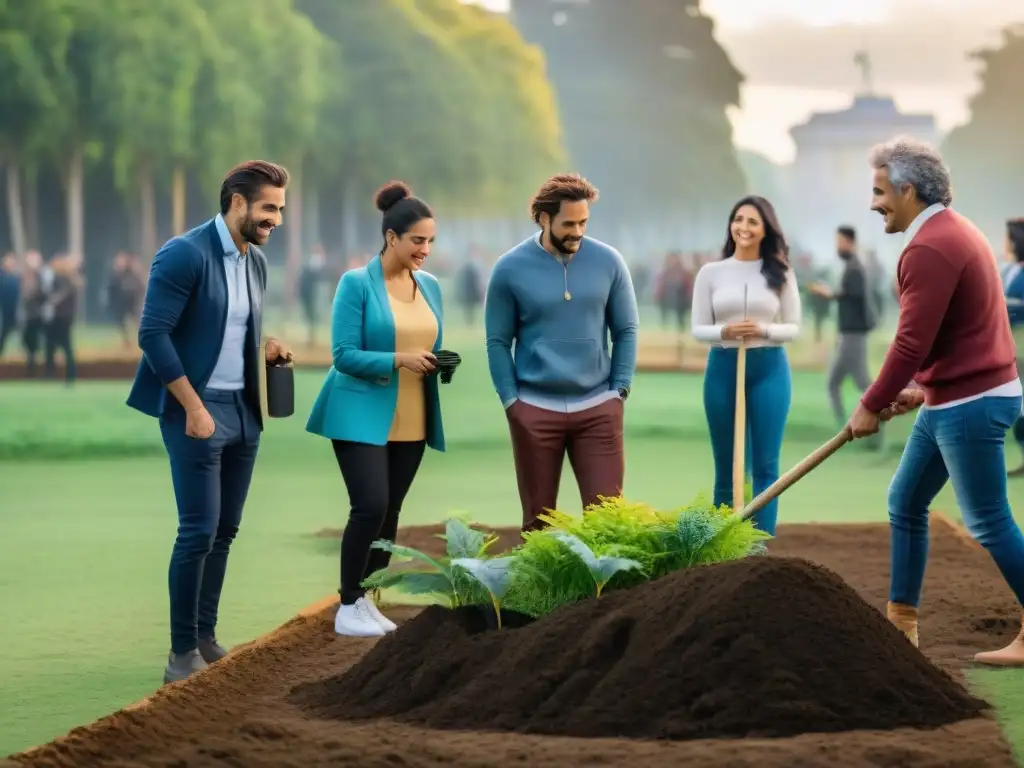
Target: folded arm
500, 319
927, 282
347, 333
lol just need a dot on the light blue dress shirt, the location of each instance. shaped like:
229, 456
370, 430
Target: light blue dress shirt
229, 373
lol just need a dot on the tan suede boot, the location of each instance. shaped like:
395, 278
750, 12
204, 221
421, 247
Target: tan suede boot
904, 618
1010, 656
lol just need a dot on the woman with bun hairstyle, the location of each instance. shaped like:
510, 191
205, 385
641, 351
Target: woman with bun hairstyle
749, 295
379, 405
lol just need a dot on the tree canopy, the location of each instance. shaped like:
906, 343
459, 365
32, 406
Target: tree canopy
986, 155
158, 99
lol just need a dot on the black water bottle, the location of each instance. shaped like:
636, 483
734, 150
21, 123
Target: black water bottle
280, 389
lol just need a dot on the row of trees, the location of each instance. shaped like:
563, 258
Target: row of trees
986, 155
163, 96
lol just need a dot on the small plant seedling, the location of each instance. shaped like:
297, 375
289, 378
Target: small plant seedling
601, 568
438, 582
494, 574
463, 541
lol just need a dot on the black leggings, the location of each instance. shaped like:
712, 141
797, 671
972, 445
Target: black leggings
377, 477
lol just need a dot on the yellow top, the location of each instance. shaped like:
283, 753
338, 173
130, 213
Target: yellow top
415, 331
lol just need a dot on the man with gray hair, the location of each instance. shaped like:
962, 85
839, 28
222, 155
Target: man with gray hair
954, 341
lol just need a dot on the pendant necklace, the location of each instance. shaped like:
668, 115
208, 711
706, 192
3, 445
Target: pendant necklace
565, 273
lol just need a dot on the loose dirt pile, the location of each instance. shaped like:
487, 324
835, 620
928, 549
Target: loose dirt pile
766, 647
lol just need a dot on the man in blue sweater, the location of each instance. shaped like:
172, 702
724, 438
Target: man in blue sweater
557, 297
200, 336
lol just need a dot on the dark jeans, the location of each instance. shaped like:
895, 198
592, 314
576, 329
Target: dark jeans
58, 337
211, 481
31, 338
964, 444
768, 388
377, 478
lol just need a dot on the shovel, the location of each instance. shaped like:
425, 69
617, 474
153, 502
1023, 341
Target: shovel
812, 461
739, 433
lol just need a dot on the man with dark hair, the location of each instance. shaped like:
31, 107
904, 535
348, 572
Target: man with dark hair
200, 335
558, 296
855, 319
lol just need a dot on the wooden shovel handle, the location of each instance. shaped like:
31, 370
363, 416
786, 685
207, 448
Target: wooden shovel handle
739, 435
774, 490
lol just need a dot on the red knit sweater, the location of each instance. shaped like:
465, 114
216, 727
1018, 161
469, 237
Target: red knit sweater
953, 336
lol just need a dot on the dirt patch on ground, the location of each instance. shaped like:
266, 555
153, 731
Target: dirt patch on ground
240, 714
86, 370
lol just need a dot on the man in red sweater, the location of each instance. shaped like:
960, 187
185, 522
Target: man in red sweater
954, 341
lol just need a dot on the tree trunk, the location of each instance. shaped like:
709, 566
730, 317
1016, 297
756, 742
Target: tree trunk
293, 261
31, 202
15, 209
311, 215
147, 211
178, 200
76, 202
349, 219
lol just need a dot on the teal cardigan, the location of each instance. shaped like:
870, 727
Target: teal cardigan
357, 401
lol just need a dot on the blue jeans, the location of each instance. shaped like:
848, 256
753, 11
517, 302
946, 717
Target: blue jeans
768, 386
963, 444
211, 481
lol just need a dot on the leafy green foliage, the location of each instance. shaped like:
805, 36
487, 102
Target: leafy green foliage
601, 567
615, 544
444, 583
494, 574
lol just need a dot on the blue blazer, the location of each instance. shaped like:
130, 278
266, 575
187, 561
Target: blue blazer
357, 401
184, 316
1014, 291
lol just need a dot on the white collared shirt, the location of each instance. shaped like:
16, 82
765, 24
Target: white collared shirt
229, 373
918, 222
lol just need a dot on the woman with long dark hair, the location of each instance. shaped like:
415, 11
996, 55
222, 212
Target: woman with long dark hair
1013, 289
751, 295
379, 405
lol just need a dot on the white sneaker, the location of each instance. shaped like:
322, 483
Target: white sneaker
384, 621
357, 620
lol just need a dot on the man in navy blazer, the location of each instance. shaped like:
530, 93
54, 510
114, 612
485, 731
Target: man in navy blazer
200, 336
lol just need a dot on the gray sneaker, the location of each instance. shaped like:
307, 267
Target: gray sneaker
211, 650
182, 665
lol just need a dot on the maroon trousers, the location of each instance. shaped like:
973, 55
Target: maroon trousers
540, 440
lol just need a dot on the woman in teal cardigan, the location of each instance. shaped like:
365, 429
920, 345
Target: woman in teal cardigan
379, 405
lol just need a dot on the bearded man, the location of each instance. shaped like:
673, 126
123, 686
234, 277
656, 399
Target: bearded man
200, 336
552, 304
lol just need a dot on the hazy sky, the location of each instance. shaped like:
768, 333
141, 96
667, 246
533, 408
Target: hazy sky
797, 56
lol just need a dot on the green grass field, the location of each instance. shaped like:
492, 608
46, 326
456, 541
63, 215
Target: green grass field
85, 541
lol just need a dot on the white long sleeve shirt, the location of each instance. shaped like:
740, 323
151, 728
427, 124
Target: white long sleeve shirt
721, 290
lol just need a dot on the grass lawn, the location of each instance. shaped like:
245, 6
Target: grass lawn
85, 542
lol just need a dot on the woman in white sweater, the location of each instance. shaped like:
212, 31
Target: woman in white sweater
750, 294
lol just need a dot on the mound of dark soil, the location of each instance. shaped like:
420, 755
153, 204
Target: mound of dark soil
761, 647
